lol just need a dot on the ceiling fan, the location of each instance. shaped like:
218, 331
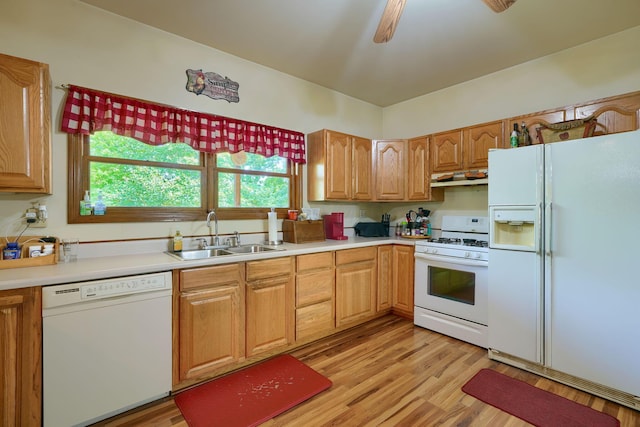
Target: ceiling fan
393, 10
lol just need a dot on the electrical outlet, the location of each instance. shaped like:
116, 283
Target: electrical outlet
40, 223
35, 218
363, 213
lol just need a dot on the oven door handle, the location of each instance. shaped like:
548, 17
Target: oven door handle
458, 261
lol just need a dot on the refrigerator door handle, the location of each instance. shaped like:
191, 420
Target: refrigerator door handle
547, 229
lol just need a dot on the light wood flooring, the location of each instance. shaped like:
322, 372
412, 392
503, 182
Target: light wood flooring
389, 372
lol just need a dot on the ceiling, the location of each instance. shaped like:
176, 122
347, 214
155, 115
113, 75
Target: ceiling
437, 44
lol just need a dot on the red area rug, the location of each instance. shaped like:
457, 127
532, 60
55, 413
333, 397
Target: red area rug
252, 395
536, 406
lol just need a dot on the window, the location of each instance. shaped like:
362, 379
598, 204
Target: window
173, 182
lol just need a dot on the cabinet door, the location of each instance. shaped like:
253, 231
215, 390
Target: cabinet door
390, 169
20, 357
385, 278
356, 286
211, 331
403, 280
338, 166
477, 142
25, 126
418, 173
620, 114
362, 173
270, 314
446, 152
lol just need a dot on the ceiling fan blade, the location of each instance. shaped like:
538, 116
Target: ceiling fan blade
389, 20
499, 5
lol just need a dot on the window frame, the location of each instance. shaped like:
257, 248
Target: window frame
78, 182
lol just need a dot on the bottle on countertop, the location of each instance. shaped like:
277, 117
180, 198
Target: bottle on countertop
515, 136
177, 242
524, 139
100, 207
85, 204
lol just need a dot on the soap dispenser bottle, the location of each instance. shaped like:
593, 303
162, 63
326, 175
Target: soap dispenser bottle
85, 204
100, 207
177, 242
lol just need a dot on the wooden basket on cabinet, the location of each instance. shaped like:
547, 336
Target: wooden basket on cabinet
25, 243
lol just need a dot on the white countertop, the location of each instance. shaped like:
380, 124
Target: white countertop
124, 265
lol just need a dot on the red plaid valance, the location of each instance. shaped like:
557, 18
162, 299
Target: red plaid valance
87, 111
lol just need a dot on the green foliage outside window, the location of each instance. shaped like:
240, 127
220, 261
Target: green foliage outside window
133, 185
173, 177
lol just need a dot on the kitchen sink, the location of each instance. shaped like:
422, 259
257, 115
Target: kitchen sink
250, 249
218, 252
200, 254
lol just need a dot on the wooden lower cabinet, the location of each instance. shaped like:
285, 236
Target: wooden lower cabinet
356, 285
385, 278
231, 315
210, 332
269, 305
403, 280
20, 357
315, 295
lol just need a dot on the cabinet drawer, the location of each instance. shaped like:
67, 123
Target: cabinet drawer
314, 319
257, 270
211, 276
349, 256
314, 261
314, 287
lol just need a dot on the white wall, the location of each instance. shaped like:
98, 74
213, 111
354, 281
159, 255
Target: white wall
87, 46
605, 67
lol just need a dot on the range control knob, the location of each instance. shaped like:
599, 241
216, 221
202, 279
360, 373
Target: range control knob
467, 254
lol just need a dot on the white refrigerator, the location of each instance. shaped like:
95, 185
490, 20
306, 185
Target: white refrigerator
564, 282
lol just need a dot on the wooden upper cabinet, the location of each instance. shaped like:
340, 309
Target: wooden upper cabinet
418, 175
532, 121
477, 142
390, 169
362, 172
25, 126
466, 149
338, 166
446, 152
337, 174
614, 115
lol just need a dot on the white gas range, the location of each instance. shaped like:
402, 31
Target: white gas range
451, 280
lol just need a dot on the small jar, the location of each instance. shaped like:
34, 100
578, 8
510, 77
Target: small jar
11, 251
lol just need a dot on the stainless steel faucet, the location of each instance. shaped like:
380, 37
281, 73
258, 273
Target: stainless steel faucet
216, 238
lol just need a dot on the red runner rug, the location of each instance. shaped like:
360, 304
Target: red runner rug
536, 406
252, 395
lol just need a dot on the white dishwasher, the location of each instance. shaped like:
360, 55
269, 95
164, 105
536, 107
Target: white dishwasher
106, 347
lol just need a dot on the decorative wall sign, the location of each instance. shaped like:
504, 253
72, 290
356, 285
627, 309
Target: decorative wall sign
212, 85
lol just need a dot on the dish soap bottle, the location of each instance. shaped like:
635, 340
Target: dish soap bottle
85, 204
177, 242
100, 208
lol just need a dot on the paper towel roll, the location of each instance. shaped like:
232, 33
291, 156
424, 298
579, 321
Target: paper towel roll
273, 226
